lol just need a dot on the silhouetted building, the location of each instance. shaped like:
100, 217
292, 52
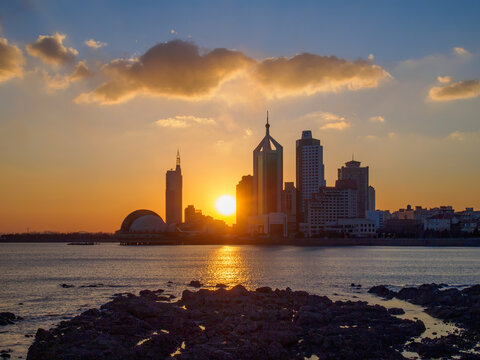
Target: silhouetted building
192, 215
173, 194
267, 217
371, 198
245, 203
289, 206
197, 223
310, 171
268, 175
353, 171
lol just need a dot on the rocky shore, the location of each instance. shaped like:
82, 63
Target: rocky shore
460, 307
228, 324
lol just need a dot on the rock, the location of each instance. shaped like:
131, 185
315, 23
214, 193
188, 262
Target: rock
264, 289
8, 318
383, 291
220, 285
66, 286
195, 284
396, 311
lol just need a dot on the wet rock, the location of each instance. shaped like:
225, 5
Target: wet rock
382, 291
220, 285
8, 318
67, 286
195, 284
396, 311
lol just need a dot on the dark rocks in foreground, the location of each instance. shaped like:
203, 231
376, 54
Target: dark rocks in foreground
8, 318
228, 324
461, 307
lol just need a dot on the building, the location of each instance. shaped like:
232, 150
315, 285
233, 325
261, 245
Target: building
267, 175
438, 223
379, 217
197, 223
267, 217
353, 227
371, 198
289, 206
173, 194
310, 171
353, 171
329, 205
245, 203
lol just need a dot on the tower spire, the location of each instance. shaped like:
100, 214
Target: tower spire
178, 158
267, 125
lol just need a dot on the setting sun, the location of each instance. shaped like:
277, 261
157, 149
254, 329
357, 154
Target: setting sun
225, 205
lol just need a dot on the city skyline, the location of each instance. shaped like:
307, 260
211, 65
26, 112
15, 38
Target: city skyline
74, 155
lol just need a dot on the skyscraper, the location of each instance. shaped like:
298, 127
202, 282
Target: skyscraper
268, 175
353, 171
173, 194
310, 171
245, 203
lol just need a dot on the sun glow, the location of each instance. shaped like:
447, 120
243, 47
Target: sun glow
226, 205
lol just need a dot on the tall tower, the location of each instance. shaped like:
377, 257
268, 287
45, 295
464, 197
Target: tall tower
353, 171
310, 171
245, 203
173, 194
267, 175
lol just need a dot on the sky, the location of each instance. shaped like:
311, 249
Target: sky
97, 96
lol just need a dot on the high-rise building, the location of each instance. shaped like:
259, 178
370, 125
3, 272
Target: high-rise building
268, 175
245, 203
310, 171
353, 171
289, 206
173, 194
371, 199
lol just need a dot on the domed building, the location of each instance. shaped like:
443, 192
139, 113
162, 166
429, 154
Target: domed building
143, 222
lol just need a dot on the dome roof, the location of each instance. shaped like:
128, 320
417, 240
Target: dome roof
148, 224
143, 221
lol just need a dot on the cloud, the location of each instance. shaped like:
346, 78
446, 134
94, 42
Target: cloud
465, 89
94, 44
377, 119
172, 69
80, 72
178, 69
51, 49
11, 61
457, 135
445, 79
461, 51
184, 121
173, 32
340, 125
371, 57
309, 73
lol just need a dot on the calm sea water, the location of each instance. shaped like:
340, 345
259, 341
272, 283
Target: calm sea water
31, 274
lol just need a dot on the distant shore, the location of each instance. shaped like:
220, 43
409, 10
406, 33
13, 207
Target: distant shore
130, 240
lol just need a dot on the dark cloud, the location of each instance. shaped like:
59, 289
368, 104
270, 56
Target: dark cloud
51, 50
11, 61
465, 89
172, 69
309, 73
178, 69
80, 72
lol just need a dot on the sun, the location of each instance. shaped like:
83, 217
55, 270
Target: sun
226, 205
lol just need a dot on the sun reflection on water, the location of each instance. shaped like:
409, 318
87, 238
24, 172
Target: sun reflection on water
227, 265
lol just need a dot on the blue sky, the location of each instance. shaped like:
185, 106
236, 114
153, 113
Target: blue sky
88, 125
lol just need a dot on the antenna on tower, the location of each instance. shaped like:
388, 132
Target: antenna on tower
267, 117
178, 157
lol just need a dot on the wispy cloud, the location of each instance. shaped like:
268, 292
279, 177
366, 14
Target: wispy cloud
445, 79
94, 44
184, 121
457, 135
461, 51
465, 89
377, 119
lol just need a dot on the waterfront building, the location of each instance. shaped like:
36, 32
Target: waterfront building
378, 217
245, 203
173, 194
353, 171
268, 175
310, 171
267, 217
371, 198
289, 206
330, 204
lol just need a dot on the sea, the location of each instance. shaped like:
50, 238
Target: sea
32, 275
